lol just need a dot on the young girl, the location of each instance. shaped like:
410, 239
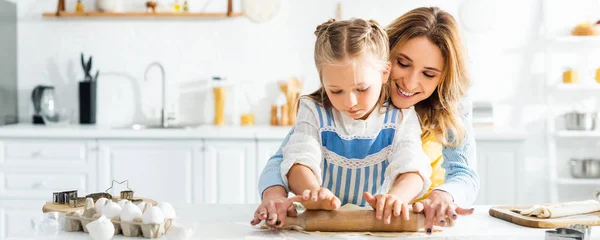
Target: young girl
347, 141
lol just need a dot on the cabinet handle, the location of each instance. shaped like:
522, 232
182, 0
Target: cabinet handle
39, 184
36, 154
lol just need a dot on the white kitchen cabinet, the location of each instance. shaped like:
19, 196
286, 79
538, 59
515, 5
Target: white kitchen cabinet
162, 170
16, 217
229, 171
499, 166
35, 168
265, 149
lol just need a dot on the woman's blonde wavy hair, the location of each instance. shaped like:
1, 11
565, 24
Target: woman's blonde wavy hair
339, 41
439, 114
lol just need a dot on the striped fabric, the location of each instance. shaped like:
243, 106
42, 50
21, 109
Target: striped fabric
347, 182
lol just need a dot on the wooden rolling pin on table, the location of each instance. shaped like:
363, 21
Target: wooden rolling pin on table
353, 220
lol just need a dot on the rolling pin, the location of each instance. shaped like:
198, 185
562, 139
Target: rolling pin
354, 220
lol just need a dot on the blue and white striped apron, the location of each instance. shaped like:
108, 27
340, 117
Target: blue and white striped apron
357, 167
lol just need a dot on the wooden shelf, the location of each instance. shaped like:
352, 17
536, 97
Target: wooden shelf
140, 15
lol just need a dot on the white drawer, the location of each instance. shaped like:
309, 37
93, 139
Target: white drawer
50, 151
36, 185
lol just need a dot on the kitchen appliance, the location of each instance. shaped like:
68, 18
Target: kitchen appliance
582, 121
44, 104
585, 168
8, 63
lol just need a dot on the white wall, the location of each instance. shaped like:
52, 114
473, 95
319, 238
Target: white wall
507, 62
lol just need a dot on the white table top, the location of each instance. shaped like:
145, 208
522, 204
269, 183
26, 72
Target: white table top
233, 222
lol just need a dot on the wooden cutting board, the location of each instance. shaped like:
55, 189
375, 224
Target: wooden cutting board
505, 213
64, 208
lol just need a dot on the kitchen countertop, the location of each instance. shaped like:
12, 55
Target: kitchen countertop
233, 222
265, 132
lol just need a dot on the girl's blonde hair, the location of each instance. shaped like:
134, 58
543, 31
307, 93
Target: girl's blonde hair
345, 40
439, 113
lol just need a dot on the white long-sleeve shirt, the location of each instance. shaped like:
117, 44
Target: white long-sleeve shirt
350, 156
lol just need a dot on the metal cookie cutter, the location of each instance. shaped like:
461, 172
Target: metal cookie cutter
572, 232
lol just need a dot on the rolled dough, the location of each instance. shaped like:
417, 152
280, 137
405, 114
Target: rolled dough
560, 209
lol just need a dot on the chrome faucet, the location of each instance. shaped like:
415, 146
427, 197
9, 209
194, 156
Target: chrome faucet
163, 123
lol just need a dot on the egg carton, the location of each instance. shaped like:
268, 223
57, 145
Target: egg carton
78, 223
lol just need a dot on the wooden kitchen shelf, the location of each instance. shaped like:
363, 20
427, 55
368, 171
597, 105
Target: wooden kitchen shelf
148, 13
139, 15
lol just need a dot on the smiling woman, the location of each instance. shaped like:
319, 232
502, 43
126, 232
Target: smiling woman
415, 71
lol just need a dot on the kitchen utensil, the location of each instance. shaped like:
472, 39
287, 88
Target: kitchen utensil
505, 213
565, 234
580, 120
585, 229
87, 67
585, 168
353, 220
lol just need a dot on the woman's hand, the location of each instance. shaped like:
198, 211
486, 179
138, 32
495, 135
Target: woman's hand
438, 207
274, 208
318, 199
385, 205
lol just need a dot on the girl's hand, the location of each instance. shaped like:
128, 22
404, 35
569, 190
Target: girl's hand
274, 208
320, 198
385, 205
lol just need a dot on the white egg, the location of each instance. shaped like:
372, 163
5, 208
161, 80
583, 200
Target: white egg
143, 205
122, 202
101, 229
100, 203
153, 215
111, 210
168, 210
180, 232
130, 212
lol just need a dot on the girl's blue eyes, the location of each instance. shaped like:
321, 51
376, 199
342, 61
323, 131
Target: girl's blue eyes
406, 65
359, 90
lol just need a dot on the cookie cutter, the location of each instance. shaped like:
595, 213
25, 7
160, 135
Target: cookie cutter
572, 232
70, 197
